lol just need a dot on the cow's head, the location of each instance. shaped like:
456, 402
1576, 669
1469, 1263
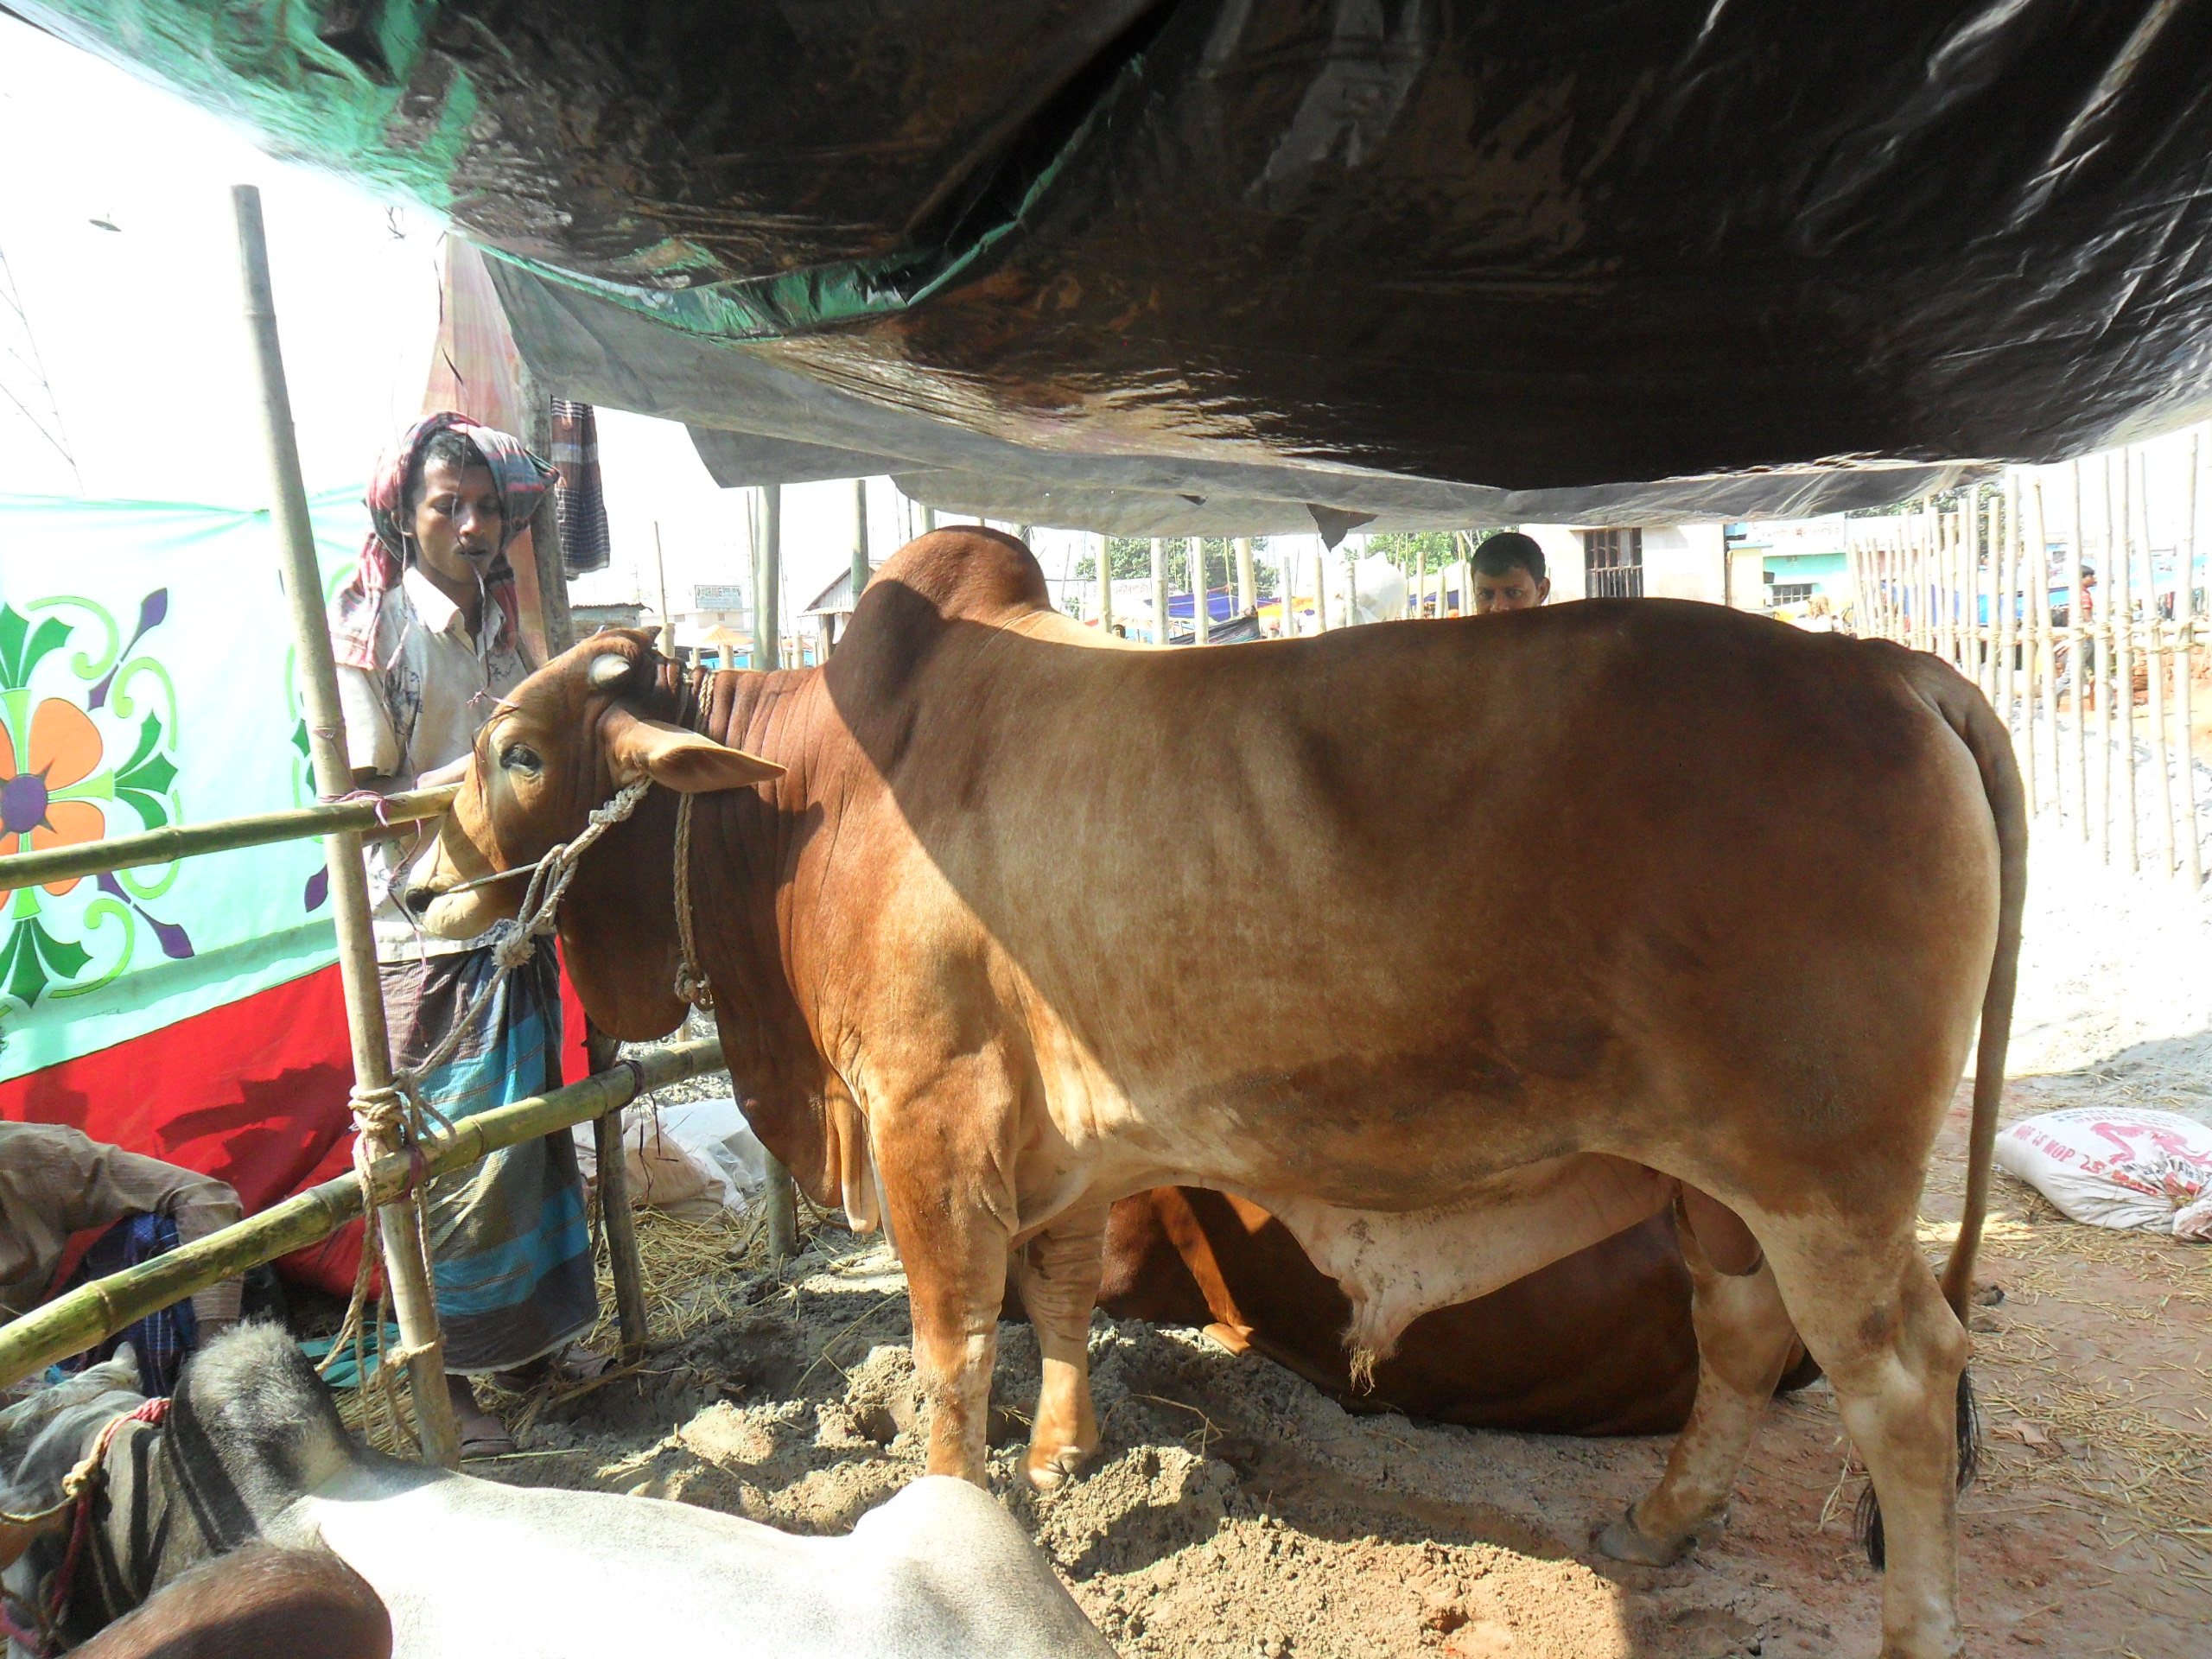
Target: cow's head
570, 738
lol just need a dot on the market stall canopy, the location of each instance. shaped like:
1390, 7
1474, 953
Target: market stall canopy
1200, 263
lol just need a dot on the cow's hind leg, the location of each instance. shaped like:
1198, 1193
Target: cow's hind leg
1870, 1311
1744, 1340
1057, 1273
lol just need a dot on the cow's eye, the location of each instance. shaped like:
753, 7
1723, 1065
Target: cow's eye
520, 757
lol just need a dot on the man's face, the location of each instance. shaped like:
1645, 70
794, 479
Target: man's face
456, 519
1516, 590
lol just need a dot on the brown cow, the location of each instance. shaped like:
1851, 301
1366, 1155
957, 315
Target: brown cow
1519, 957
259, 1602
1599, 1343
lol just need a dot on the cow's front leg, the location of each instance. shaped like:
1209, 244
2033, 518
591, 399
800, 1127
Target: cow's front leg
1058, 1272
954, 1246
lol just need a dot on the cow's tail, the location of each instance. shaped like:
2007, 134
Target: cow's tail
1968, 713
1970, 716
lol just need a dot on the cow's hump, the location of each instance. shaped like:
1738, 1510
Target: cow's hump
968, 574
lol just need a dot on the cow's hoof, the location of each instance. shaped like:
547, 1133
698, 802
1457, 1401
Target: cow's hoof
1624, 1540
1049, 1474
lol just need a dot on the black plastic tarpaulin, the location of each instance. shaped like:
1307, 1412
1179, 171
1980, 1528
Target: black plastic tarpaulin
1105, 260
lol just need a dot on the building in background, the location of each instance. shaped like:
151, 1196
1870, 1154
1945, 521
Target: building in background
1797, 559
1636, 562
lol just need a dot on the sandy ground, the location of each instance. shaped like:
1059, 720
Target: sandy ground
1235, 1510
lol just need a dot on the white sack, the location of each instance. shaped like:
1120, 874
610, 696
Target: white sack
691, 1158
2113, 1167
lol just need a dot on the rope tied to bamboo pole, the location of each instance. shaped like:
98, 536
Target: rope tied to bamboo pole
398, 1114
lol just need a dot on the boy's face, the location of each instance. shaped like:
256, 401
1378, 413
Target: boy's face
456, 519
1514, 590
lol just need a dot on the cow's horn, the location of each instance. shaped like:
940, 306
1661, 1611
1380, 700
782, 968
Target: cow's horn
607, 668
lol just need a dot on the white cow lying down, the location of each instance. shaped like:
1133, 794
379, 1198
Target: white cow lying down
253, 1447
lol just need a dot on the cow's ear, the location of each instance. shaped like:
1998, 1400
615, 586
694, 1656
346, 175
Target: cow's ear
684, 761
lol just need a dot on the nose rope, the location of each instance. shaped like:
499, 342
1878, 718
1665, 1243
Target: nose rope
398, 1113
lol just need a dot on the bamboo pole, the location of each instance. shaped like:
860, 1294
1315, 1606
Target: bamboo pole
1248, 582
624, 1266
2044, 670
2003, 535
768, 601
1159, 591
779, 1204
1105, 585
2154, 629
1320, 589
91, 1314
2101, 644
1287, 596
1201, 614
407, 1274
2185, 607
220, 836
862, 567
2077, 626
2123, 622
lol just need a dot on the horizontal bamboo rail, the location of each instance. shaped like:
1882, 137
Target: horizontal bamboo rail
220, 836
91, 1314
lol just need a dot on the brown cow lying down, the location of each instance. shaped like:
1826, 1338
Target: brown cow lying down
1520, 954
257, 1603
1598, 1343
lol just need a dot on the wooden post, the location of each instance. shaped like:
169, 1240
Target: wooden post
1201, 616
1159, 632
1286, 596
1320, 589
2044, 671
2185, 609
2154, 628
768, 603
1105, 585
413, 1303
2123, 622
1247, 581
667, 621
2079, 643
2102, 647
780, 1203
623, 1262
862, 564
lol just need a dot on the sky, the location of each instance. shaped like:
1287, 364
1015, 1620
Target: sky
138, 331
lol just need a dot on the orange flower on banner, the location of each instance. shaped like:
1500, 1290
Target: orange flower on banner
65, 749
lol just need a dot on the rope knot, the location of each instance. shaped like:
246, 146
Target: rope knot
513, 944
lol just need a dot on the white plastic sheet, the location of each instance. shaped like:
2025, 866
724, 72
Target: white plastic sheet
691, 1157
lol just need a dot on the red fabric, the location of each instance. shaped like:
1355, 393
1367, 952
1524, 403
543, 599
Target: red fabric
253, 1093
575, 1062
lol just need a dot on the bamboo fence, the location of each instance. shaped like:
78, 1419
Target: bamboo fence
2047, 590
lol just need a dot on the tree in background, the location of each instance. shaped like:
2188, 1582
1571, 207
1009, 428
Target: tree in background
1130, 559
1428, 549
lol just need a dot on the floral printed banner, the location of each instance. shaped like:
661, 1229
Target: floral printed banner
146, 677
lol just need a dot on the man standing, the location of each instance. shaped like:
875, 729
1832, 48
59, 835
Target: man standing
1509, 575
428, 638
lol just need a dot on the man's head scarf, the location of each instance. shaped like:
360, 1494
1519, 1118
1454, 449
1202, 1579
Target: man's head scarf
521, 480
